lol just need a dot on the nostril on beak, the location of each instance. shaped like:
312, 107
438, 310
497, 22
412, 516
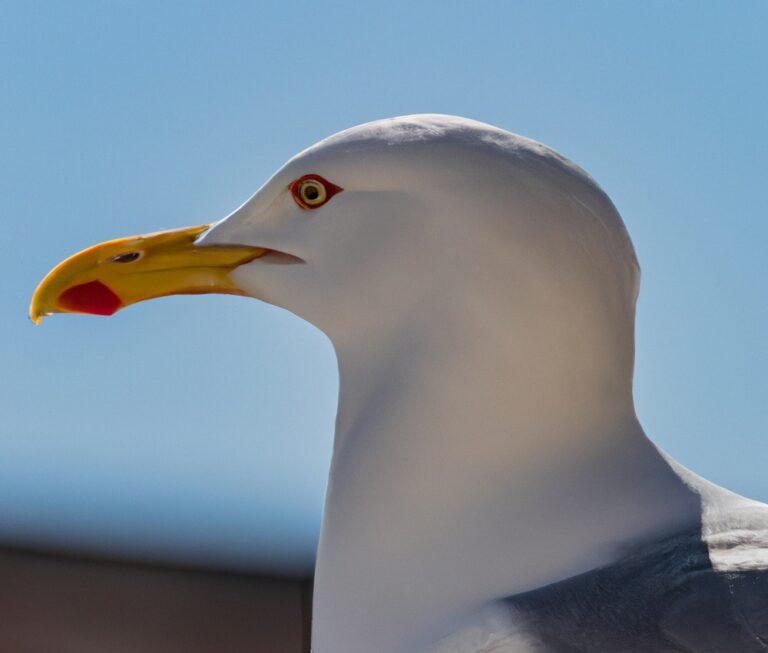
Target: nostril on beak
128, 257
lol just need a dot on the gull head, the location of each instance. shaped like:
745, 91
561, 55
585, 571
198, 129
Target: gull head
393, 224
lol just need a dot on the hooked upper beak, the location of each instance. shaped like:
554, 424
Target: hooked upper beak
104, 278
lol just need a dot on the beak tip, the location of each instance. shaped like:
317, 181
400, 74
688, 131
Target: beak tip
36, 316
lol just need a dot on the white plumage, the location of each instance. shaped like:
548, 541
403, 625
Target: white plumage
491, 488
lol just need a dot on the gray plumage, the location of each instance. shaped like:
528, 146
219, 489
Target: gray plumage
704, 591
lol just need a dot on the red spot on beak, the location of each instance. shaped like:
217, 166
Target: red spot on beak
93, 297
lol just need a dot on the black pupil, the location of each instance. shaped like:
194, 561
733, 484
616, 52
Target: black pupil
128, 257
311, 192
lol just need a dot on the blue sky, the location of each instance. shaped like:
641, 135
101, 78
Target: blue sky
199, 429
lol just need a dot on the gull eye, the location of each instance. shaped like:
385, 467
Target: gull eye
312, 191
128, 257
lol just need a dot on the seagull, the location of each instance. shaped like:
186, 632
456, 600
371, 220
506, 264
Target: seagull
491, 488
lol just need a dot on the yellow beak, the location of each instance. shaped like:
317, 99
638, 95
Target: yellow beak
104, 278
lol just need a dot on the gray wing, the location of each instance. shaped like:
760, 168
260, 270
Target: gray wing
720, 611
667, 598
733, 592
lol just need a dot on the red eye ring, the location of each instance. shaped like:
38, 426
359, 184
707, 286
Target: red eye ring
312, 191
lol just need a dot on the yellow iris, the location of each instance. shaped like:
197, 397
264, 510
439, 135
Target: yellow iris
312, 192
